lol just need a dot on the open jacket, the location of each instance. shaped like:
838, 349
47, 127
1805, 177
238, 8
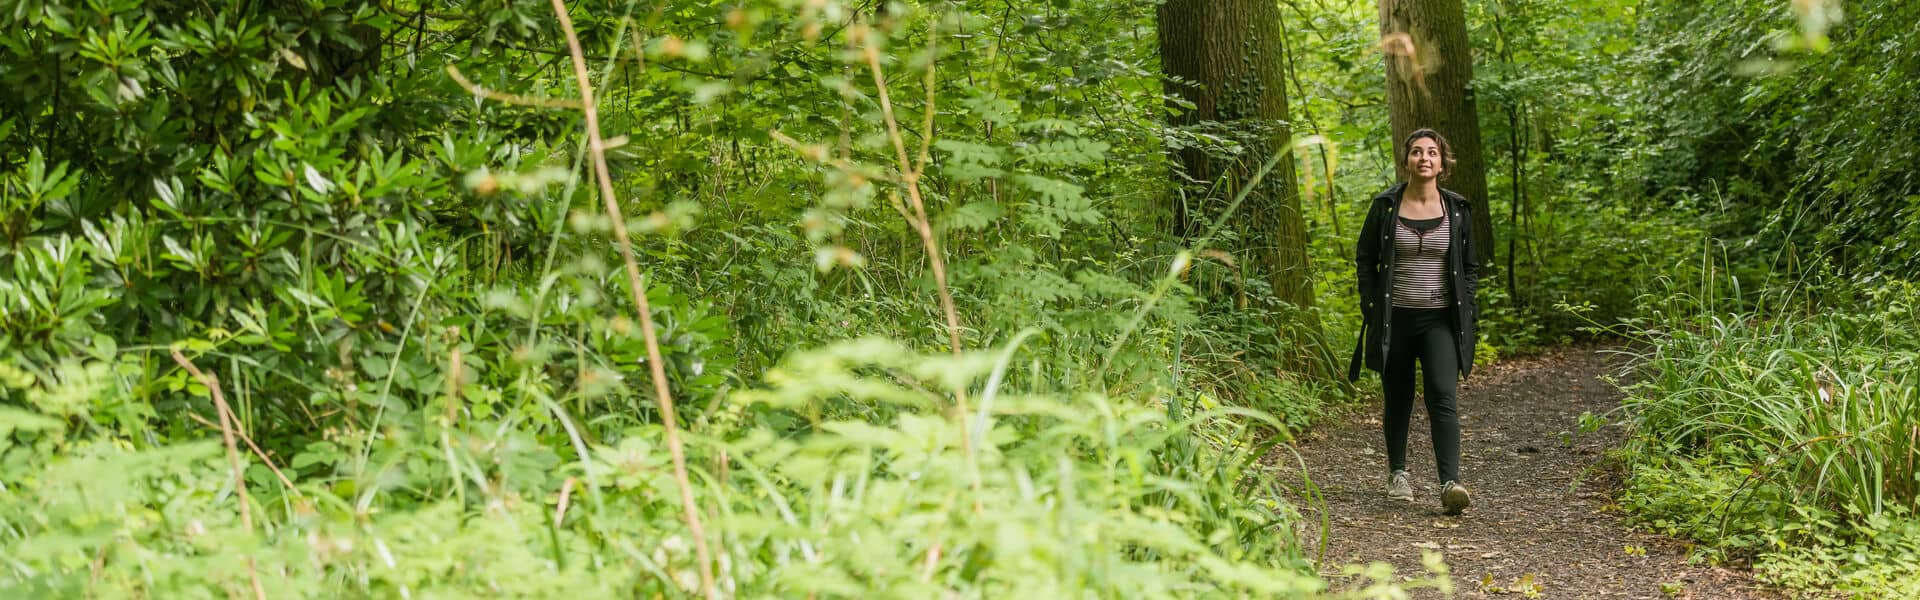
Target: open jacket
1373, 263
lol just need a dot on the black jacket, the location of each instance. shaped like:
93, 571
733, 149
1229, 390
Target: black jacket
1373, 264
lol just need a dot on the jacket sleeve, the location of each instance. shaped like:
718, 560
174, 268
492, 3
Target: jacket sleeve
1366, 262
1472, 258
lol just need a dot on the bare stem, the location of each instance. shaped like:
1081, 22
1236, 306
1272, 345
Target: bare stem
910, 178
233, 459
256, 452
926, 125
655, 364
498, 96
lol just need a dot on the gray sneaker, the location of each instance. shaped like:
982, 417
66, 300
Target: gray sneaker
1454, 497
1398, 486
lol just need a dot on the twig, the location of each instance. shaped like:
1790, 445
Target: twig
655, 364
932, 562
233, 459
256, 452
477, 90
928, 566
819, 154
99, 562
454, 374
910, 177
560, 512
926, 125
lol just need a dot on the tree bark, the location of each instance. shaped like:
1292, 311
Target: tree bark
1227, 58
1430, 84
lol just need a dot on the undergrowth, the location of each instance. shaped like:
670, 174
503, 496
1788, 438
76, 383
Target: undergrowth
1784, 434
1037, 491
279, 327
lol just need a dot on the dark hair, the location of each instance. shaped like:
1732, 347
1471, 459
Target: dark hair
1446, 150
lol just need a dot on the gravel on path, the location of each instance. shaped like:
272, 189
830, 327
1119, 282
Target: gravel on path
1542, 523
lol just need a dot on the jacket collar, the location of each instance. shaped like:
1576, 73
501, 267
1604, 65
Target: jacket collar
1392, 194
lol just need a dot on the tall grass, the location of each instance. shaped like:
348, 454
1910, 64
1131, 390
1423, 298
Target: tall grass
1837, 424
1787, 429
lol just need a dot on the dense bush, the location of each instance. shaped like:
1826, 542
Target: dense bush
367, 220
1795, 113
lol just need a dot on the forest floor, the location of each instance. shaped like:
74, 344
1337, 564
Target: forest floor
1542, 523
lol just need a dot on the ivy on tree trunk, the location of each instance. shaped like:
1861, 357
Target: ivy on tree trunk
1228, 60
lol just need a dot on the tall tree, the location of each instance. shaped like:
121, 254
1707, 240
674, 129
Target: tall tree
1430, 84
1226, 59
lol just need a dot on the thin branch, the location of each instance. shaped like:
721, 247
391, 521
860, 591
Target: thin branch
447, 16
256, 452
560, 512
926, 126
477, 90
233, 460
910, 177
655, 364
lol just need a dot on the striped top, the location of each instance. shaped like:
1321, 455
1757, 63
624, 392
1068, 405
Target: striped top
1420, 256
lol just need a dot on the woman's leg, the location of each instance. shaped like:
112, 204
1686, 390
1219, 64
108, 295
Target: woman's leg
1440, 367
1396, 385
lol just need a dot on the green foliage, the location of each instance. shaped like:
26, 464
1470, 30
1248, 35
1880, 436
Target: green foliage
1706, 178
1035, 492
1794, 430
418, 317
366, 217
1640, 253
1796, 117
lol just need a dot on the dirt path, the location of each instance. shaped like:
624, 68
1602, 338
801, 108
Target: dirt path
1540, 519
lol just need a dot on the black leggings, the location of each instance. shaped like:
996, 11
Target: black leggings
1426, 334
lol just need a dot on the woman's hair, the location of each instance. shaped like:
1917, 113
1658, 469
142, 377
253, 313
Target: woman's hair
1446, 150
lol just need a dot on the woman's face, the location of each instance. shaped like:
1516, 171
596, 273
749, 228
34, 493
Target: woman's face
1423, 159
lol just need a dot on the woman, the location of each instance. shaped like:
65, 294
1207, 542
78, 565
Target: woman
1417, 275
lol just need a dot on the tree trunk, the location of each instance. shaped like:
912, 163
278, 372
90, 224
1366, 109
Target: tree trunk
1430, 84
1227, 58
